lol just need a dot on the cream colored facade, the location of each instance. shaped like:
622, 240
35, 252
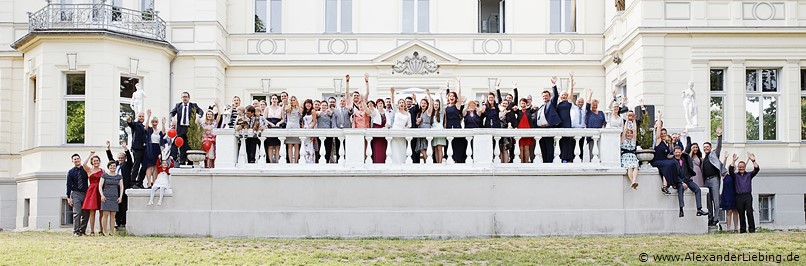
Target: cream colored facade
211, 49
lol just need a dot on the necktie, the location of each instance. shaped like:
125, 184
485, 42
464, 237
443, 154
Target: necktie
185, 114
580, 117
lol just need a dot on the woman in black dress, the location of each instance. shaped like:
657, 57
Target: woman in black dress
453, 120
663, 156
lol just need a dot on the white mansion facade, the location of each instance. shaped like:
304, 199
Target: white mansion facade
62, 60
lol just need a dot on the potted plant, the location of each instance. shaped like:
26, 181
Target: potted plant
644, 139
195, 153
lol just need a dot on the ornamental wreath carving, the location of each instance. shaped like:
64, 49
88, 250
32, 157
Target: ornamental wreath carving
415, 65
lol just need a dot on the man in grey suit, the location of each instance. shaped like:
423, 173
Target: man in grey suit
341, 119
712, 172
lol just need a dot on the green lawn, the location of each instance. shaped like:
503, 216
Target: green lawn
45, 248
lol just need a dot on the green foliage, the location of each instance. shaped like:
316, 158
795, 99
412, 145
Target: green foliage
194, 133
75, 122
803, 118
259, 25
752, 126
644, 138
717, 120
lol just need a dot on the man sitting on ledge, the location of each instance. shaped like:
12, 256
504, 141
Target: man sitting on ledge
683, 180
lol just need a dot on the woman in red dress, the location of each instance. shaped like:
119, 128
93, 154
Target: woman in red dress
92, 202
524, 117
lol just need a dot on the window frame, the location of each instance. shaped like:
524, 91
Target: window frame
73, 98
339, 17
761, 94
415, 17
769, 207
802, 99
65, 214
270, 28
125, 100
717, 94
563, 17
502, 5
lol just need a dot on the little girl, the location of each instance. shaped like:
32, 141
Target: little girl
163, 181
210, 157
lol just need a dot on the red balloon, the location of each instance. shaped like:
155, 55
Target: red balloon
206, 145
172, 133
179, 142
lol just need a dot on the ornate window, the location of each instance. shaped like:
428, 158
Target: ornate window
74, 107
563, 16
415, 16
716, 107
338, 16
268, 16
762, 104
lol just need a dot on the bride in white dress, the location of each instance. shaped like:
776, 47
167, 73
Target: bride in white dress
402, 121
308, 121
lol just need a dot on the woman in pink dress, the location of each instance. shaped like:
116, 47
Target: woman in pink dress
92, 201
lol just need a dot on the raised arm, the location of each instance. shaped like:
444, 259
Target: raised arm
392, 93
752, 157
87, 162
109, 152
556, 92
430, 110
218, 111
688, 141
366, 83
718, 140
498, 93
571, 90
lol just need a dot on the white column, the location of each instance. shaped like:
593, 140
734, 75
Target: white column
483, 149
610, 151
226, 148
354, 146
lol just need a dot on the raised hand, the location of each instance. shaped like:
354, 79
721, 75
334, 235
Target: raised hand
514, 84
625, 100
347, 77
366, 77
719, 131
107, 144
554, 80
685, 131
392, 90
498, 83
735, 157
428, 92
751, 156
164, 120
128, 119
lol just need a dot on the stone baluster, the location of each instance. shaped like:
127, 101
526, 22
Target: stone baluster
496, 149
577, 149
283, 147
516, 159
596, 152
538, 151
408, 151
388, 150
469, 150
368, 150
429, 151
450, 150
261, 158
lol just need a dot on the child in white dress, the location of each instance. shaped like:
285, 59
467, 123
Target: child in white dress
163, 181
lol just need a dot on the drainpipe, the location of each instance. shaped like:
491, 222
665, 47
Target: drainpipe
171, 81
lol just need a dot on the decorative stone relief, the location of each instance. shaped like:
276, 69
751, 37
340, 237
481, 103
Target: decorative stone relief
265, 46
492, 46
415, 65
565, 46
338, 46
763, 10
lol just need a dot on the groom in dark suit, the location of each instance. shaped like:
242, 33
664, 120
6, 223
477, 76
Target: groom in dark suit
550, 118
182, 111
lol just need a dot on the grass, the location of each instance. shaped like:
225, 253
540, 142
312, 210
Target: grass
51, 248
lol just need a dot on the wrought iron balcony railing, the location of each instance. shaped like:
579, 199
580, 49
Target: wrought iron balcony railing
84, 17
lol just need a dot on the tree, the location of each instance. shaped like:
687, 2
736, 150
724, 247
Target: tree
259, 26
194, 133
644, 138
716, 115
75, 122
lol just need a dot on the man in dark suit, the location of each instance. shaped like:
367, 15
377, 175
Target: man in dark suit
414, 113
138, 147
124, 165
547, 117
183, 111
685, 172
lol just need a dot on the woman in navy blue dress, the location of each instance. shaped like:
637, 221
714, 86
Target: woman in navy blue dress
453, 120
663, 154
727, 201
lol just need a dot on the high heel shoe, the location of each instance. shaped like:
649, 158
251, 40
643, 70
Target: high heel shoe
101, 234
92, 233
665, 190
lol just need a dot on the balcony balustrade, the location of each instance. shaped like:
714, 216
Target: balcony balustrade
356, 152
93, 17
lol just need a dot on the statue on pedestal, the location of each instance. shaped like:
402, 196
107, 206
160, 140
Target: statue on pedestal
690, 106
